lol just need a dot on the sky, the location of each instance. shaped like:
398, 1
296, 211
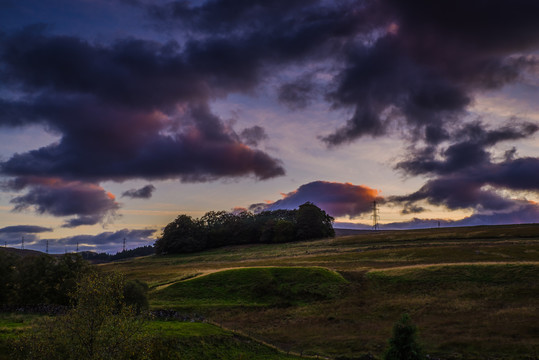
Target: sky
117, 116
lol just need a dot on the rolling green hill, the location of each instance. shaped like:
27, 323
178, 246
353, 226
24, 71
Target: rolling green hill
253, 287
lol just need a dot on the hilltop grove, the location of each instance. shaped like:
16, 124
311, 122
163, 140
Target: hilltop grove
216, 229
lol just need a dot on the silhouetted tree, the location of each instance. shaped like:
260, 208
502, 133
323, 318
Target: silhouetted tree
183, 235
313, 222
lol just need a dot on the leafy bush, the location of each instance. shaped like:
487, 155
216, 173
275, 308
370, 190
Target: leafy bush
136, 295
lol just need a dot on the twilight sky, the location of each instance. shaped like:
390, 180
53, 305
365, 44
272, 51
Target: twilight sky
116, 116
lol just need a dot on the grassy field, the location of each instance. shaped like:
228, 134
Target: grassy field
472, 291
189, 341
11, 326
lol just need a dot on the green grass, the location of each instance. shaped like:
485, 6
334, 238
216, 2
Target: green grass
186, 329
11, 326
202, 341
187, 341
253, 287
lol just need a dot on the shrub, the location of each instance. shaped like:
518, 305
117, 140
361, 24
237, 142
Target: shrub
403, 344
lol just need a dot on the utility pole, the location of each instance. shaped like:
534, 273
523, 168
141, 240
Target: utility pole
375, 216
22, 243
47, 248
77, 246
124, 245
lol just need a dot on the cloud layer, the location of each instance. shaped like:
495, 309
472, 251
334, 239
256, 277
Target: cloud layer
139, 107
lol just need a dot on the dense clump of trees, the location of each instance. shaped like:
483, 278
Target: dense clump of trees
39, 279
215, 229
45, 279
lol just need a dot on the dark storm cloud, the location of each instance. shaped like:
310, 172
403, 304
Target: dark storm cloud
412, 209
254, 135
110, 143
144, 192
478, 187
218, 16
470, 147
337, 199
432, 59
140, 109
24, 229
397, 64
89, 203
297, 94
464, 175
13, 235
132, 72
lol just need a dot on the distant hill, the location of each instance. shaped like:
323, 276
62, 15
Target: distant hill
20, 252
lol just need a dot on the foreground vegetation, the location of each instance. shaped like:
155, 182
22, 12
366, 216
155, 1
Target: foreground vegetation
183, 340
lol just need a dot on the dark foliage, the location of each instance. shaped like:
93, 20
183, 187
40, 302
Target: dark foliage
100, 326
40, 279
140, 251
221, 228
136, 295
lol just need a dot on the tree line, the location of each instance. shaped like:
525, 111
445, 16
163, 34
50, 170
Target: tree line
125, 254
220, 228
52, 280
39, 279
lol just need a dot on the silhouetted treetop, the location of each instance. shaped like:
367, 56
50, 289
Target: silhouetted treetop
221, 228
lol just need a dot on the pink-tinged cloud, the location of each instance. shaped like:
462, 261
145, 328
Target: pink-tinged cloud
337, 199
87, 202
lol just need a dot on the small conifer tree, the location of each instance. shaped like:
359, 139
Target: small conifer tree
403, 345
